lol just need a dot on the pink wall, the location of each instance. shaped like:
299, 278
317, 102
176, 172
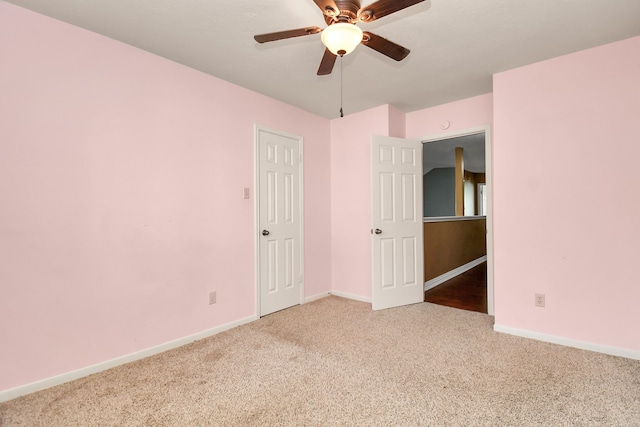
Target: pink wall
465, 114
565, 152
397, 122
121, 178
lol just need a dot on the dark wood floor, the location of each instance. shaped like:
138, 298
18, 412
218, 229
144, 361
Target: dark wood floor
467, 291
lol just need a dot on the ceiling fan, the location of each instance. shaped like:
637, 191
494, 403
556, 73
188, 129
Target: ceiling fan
342, 35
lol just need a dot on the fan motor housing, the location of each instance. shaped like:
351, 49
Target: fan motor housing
348, 12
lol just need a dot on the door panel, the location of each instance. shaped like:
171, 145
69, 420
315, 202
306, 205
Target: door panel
387, 265
397, 231
279, 220
409, 261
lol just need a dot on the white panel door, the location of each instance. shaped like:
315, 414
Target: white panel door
279, 220
397, 226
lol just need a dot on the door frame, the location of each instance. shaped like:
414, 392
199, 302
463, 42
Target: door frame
488, 157
256, 207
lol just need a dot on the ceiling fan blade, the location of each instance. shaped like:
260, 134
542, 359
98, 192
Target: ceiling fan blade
280, 35
384, 46
326, 65
383, 8
328, 7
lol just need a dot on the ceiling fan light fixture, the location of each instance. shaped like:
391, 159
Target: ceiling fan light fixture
341, 38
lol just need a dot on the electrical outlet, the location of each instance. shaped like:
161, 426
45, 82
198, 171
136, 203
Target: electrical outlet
539, 300
212, 297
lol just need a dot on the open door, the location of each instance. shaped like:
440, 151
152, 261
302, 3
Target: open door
396, 222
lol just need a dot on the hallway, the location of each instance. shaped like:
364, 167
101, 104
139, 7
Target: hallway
467, 291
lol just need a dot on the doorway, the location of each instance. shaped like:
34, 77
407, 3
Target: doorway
478, 181
467, 291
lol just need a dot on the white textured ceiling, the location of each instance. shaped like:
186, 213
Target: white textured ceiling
456, 45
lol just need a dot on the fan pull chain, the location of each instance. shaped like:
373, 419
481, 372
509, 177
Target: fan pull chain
341, 112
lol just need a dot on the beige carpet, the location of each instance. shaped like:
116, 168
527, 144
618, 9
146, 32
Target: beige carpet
334, 362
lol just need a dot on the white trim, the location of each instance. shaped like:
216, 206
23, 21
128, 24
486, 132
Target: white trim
256, 217
583, 345
301, 195
256, 207
351, 296
316, 297
430, 284
488, 162
455, 134
108, 364
452, 218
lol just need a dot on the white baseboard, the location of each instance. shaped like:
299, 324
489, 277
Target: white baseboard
316, 297
103, 366
351, 296
583, 345
430, 284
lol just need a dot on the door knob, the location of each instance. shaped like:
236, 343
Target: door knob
265, 232
378, 231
